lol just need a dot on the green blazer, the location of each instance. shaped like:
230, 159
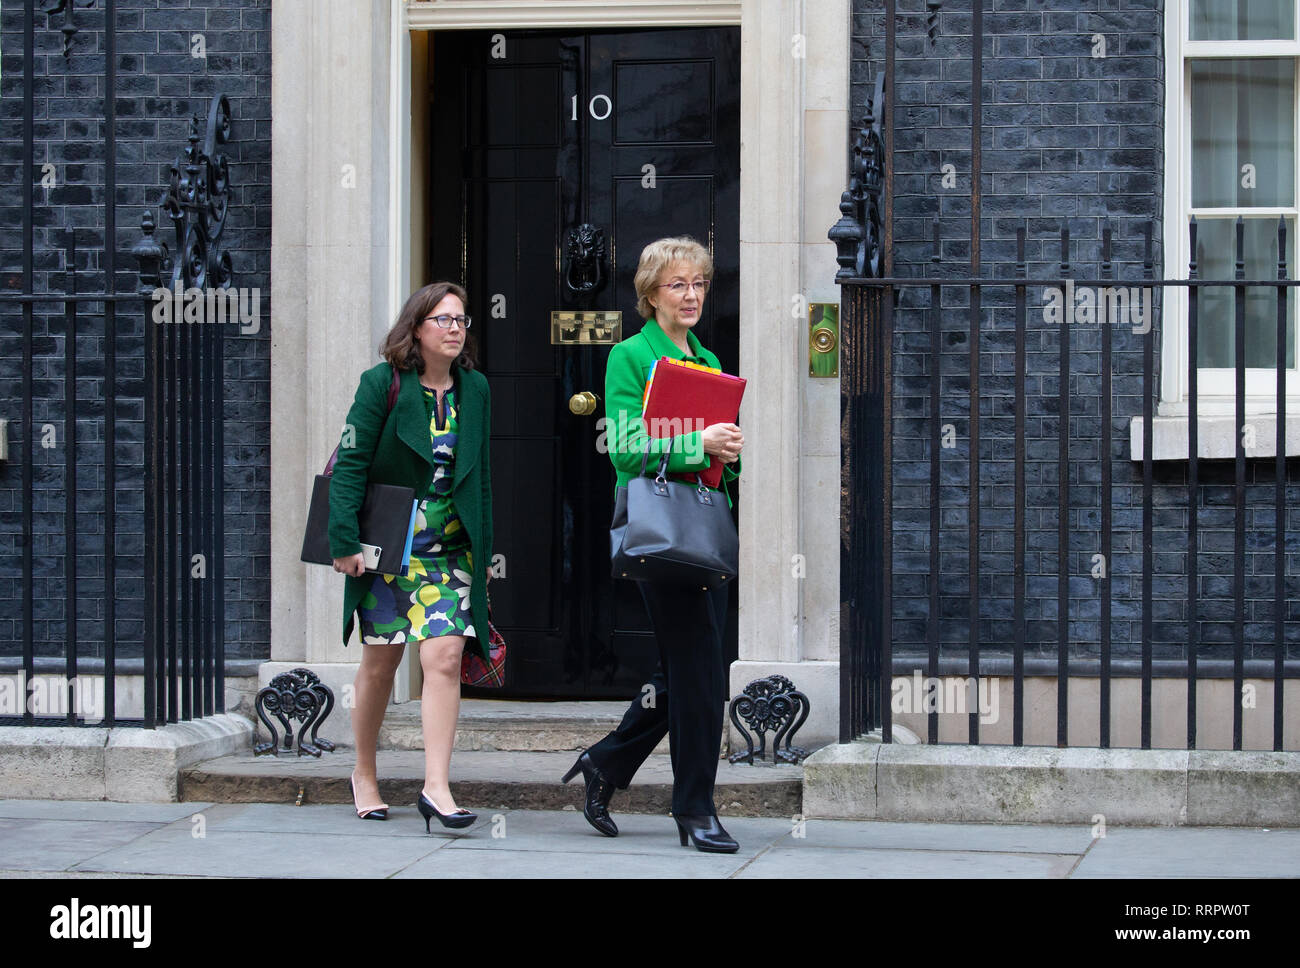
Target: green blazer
626, 373
395, 449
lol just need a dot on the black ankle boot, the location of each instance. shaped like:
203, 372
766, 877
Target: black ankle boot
705, 832
600, 791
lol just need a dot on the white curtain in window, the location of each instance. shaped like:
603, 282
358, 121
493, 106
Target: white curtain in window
1242, 20
1216, 256
1243, 133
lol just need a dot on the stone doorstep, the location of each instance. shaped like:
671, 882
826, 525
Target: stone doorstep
482, 780
1005, 784
496, 724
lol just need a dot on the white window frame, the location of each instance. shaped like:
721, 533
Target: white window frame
1216, 386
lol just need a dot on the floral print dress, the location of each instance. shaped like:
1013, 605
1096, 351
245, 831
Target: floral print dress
432, 598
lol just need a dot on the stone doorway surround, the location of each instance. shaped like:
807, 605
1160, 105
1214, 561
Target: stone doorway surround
340, 257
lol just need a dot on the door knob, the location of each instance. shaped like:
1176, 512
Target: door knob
583, 403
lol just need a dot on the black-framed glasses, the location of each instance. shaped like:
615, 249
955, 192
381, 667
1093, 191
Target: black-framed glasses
444, 321
679, 288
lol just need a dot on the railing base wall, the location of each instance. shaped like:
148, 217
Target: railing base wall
125, 764
911, 698
1093, 788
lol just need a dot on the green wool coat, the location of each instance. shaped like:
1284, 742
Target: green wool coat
626, 374
395, 449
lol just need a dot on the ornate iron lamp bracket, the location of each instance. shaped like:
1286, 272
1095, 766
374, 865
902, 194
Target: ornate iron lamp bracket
857, 235
196, 200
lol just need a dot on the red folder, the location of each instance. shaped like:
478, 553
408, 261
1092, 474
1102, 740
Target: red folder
684, 398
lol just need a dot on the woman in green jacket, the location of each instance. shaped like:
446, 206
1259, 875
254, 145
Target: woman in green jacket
435, 441
689, 687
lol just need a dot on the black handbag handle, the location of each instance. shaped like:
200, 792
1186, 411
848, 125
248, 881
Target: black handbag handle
645, 456
661, 475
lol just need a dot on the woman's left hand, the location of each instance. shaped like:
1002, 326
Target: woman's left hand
724, 441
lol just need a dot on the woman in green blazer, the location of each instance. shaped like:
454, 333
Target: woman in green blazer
690, 686
434, 441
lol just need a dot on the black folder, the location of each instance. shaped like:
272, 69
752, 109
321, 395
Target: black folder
385, 520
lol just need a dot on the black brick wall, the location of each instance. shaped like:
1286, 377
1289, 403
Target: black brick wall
159, 85
1068, 139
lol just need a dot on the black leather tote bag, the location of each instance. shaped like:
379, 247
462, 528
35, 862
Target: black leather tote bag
667, 531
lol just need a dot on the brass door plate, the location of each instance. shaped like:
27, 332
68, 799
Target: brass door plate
824, 339
587, 328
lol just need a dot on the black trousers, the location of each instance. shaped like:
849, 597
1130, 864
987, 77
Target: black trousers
686, 702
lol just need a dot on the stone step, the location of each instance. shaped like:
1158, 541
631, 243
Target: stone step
482, 780
497, 724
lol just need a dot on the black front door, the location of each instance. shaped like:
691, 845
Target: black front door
636, 135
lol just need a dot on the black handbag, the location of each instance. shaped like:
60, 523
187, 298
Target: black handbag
667, 531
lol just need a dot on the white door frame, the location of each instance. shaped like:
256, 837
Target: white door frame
784, 255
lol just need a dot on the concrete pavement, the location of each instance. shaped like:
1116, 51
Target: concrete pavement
80, 839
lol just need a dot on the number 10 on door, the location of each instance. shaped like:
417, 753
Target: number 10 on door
592, 107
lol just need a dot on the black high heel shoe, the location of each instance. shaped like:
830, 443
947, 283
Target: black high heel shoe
600, 791
706, 833
374, 813
456, 820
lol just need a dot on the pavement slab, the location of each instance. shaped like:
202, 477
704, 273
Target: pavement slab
1193, 852
550, 864
974, 837
99, 810
244, 853
55, 845
537, 830
840, 862
97, 839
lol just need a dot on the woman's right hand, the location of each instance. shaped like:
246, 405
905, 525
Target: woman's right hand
723, 440
354, 565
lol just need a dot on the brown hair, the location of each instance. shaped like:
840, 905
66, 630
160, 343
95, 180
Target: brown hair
399, 347
659, 255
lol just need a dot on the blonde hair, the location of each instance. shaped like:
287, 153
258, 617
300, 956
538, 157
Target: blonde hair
659, 255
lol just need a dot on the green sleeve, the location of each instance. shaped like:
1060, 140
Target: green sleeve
352, 469
625, 431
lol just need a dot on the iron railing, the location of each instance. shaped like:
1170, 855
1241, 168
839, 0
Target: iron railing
868, 639
871, 294
181, 651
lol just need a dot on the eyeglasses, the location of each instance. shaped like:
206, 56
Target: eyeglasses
679, 288
445, 321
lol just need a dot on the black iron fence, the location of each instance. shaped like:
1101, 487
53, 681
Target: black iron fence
868, 637
180, 653
990, 623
